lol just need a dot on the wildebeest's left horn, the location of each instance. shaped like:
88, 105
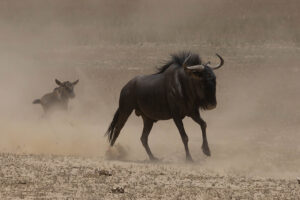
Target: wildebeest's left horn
220, 65
196, 67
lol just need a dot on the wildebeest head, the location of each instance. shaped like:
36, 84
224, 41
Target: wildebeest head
204, 81
66, 88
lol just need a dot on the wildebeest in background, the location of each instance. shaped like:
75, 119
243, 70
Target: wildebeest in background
59, 98
180, 87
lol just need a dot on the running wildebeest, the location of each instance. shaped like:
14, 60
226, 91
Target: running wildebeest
59, 98
180, 88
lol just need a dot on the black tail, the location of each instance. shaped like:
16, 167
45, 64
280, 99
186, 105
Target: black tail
37, 101
111, 133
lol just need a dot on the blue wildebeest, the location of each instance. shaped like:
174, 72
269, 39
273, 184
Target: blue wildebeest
180, 88
59, 98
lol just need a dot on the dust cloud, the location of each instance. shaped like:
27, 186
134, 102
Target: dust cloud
254, 129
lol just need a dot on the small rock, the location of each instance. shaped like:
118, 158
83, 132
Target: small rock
103, 172
118, 190
298, 180
22, 182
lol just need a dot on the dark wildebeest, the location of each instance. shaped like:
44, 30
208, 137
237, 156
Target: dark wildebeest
180, 87
59, 98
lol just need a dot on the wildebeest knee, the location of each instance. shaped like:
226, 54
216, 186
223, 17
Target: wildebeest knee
137, 112
144, 140
203, 124
185, 138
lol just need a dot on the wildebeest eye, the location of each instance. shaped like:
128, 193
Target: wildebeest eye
199, 74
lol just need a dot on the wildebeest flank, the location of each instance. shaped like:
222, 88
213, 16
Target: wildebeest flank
178, 89
59, 98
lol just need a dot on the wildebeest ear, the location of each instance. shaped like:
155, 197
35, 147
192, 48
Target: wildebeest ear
75, 82
58, 82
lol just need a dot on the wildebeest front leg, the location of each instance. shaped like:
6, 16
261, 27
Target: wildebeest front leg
144, 138
197, 118
184, 138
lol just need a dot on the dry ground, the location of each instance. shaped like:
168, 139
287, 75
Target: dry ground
70, 177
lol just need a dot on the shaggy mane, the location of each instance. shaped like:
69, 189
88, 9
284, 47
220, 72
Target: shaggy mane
178, 60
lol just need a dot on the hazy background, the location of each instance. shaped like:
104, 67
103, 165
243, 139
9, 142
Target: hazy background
254, 129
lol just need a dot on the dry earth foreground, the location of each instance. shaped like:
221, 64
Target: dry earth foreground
62, 177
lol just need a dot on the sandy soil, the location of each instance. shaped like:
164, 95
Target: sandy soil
70, 177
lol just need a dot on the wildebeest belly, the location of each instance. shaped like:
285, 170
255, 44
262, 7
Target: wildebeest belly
151, 98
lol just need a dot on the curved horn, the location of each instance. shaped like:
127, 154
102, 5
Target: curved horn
196, 67
220, 65
207, 63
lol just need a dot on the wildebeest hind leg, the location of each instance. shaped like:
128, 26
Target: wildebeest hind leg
184, 138
144, 138
197, 118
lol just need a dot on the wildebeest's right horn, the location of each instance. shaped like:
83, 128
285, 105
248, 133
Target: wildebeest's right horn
220, 65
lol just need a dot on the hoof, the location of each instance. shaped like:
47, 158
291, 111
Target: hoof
154, 159
189, 160
206, 150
